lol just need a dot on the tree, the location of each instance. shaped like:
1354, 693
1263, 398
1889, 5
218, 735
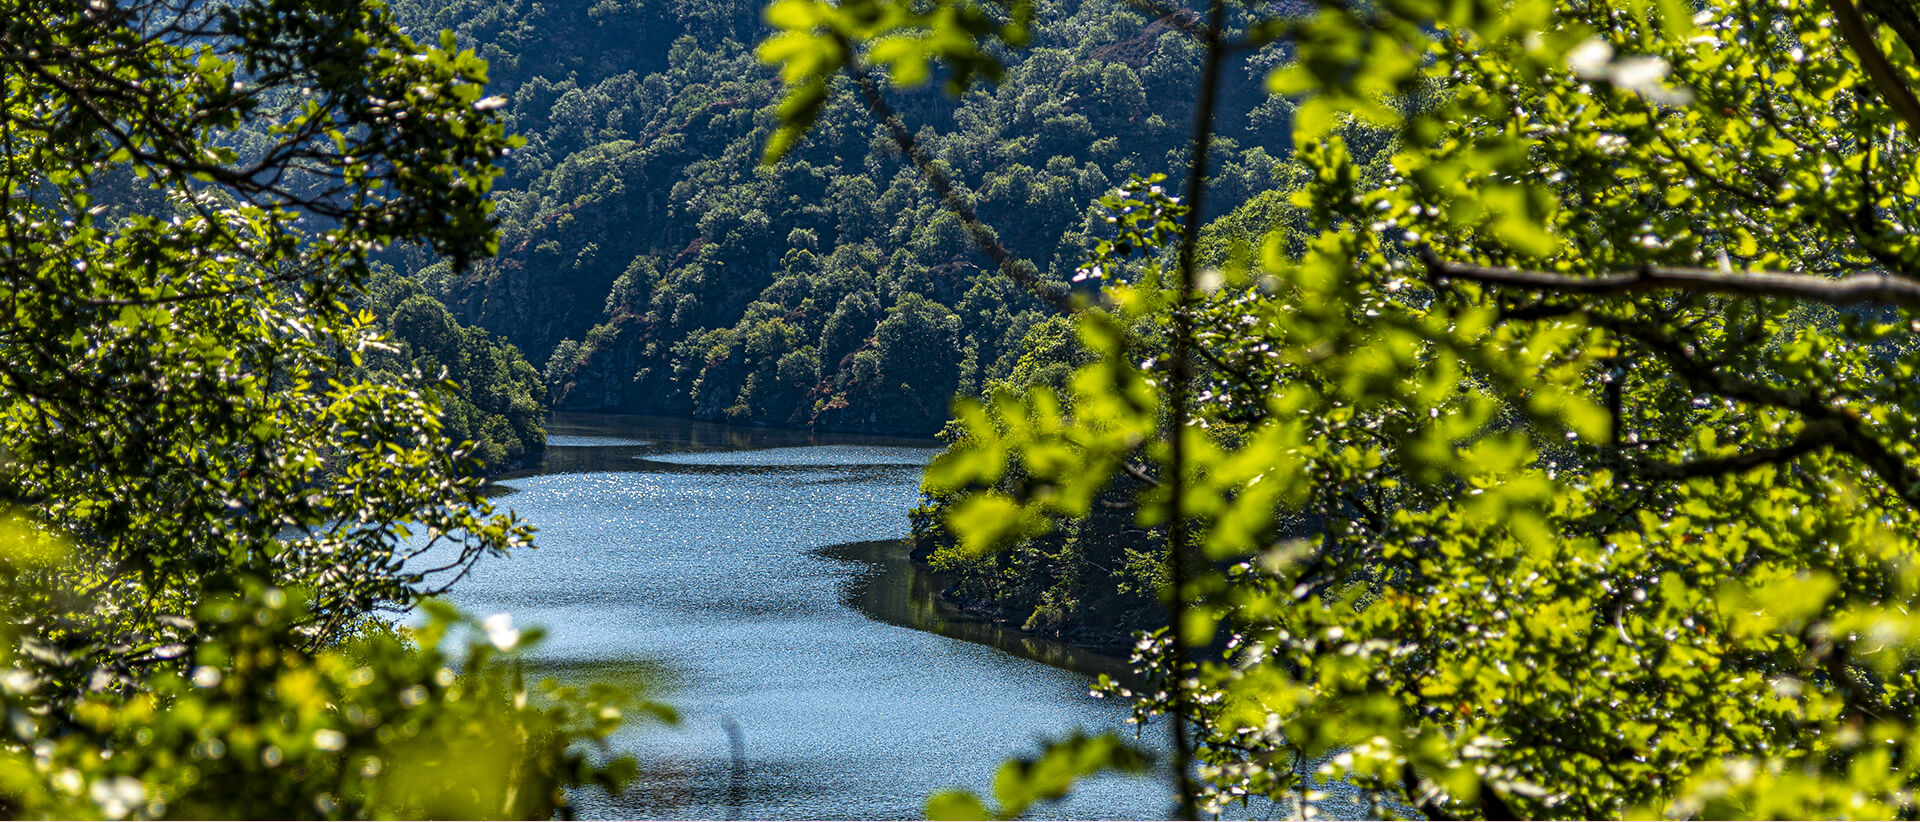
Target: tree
1582, 543
196, 486
490, 396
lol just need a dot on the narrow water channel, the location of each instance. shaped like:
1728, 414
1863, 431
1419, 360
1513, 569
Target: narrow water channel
744, 576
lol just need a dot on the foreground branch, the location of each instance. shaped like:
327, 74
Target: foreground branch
1818, 435
1897, 15
1875, 288
1005, 261
1886, 79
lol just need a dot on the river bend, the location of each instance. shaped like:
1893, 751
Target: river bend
698, 562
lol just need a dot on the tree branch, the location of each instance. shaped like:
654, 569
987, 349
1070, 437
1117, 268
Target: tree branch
1899, 16
1053, 294
1139, 473
1179, 377
1851, 434
1859, 36
1876, 288
1815, 436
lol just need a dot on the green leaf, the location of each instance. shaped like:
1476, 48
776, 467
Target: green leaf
956, 805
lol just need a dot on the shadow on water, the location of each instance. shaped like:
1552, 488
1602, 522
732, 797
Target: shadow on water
892, 589
587, 443
898, 591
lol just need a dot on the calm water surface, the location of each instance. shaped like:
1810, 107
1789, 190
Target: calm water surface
737, 574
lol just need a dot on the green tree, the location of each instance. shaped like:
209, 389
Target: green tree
196, 484
492, 400
637, 205
916, 344
1596, 397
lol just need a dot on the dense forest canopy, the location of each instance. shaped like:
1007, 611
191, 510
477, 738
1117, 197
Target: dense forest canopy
652, 263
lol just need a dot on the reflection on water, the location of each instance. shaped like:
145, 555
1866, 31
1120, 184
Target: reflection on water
716, 587
896, 590
588, 441
806, 455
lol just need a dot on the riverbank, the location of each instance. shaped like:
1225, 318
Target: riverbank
899, 591
661, 412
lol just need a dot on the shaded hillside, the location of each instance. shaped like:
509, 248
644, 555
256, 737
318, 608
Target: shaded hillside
652, 264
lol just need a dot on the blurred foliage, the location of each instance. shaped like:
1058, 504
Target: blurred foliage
1021, 784
384, 724
204, 499
1562, 547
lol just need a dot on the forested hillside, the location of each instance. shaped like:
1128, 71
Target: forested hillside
489, 395
653, 264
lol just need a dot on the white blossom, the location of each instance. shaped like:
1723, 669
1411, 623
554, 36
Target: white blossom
1590, 59
500, 631
117, 797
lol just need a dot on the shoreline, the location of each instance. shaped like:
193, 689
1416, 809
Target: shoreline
904, 593
891, 588
666, 413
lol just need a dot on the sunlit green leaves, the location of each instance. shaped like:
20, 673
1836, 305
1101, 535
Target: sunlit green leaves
1488, 549
1023, 784
815, 39
193, 193
387, 724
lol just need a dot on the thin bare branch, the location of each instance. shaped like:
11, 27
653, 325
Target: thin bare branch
1139, 473
1179, 378
1052, 293
1817, 435
1870, 288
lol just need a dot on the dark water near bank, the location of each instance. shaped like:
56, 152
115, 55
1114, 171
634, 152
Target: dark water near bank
748, 576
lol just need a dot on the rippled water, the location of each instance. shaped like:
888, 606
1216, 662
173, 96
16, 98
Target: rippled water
699, 561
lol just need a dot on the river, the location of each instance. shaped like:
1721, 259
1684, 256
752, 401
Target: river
734, 574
